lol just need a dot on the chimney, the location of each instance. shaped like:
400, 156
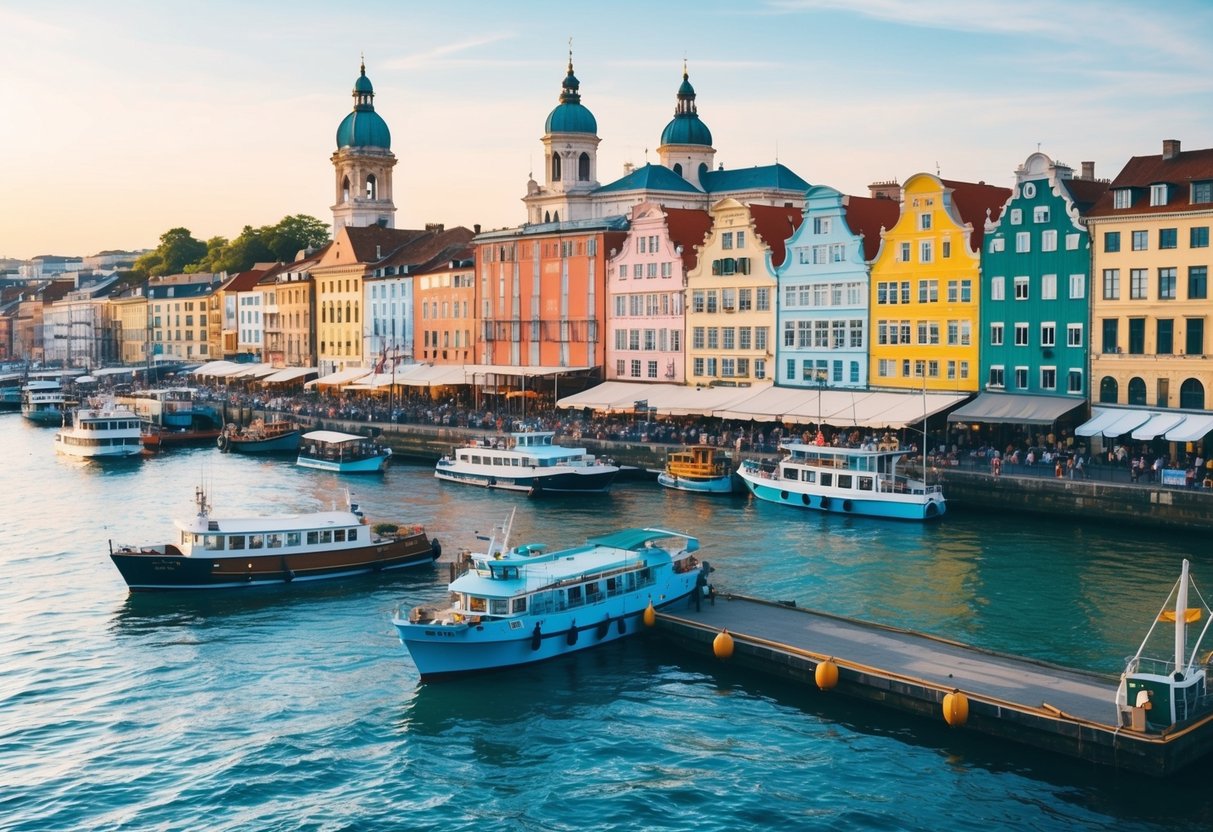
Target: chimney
434, 227
885, 190
1088, 171
476, 228
1170, 149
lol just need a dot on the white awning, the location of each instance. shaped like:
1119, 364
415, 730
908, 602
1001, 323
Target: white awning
217, 368
431, 375
338, 378
1157, 425
1126, 421
1100, 416
1193, 427
371, 381
1015, 409
663, 399
471, 370
256, 371
289, 374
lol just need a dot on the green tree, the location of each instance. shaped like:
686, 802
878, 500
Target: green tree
177, 249
293, 234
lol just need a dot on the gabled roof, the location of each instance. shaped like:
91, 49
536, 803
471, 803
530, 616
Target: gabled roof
775, 176
976, 202
241, 282
374, 243
454, 253
1085, 193
433, 247
687, 228
1141, 172
867, 216
649, 177
775, 225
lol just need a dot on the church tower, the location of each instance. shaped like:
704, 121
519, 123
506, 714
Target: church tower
686, 142
363, 163
570, 160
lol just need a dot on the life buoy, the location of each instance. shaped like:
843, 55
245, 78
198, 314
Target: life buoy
932, 509
846, 505
804, 498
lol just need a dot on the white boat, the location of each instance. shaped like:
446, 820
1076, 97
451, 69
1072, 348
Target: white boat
103, 429
528, 461
212, 552
843, 481
43, 401
10, 390
345, 453
701, 469
1157, 692
518, 606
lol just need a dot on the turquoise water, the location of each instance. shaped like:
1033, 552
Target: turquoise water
296, 708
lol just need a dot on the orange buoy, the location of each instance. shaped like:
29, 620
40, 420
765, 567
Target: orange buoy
650, 615
722, 645
826, 674
955, 709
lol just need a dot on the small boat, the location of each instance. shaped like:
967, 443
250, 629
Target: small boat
214, 552
261, 437
699, 469
517, 606
1159, 693
103, 429
172, 417
843, 481
527, 461
43, 401
345, 453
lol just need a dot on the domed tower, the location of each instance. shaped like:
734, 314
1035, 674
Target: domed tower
570, 156
364, 162
686, 142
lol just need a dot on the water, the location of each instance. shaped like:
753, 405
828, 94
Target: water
296, 708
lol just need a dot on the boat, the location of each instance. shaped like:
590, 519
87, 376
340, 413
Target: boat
10, 390
260, 437
699, 468
43, 401
859, 481
345, 453
516, 606
1159, 692
216, 552
172, 416
528, 461
102, 429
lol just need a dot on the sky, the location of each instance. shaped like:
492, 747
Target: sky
121, 120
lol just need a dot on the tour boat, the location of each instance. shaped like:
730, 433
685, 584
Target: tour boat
260, 437
103, 429
1156, 693
528, 461
843, 481
517, 606
171, 416
698, 468
43, 401
215, 552
10, 390
345, 453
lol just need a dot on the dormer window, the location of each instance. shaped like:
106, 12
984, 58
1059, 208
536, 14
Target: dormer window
1122, 198
1158, 194
1202, 192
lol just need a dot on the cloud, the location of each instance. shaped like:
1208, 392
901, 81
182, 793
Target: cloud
438, 54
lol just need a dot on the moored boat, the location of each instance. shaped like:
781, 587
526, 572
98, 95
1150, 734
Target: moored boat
102, 429
527, 461
43, 401
216, 552
699, 468
344, 453
516, 606
843, 481
261, 437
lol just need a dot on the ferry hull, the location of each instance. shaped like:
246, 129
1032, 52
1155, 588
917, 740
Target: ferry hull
115, 452
892, 506
370, 465
713, 485
44, 417
151, 570
281, 444
581, 480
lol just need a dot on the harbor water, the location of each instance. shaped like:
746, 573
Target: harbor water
296, 708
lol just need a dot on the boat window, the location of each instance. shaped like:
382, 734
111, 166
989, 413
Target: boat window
292, 538
475, 459
612, 586
574, 595
236, 541
476, 604
214, 542
186, 537
789, 473
865, 483
326, 536
313, 538
499, 606
274, 541
519, 604
845, 480
515, 461
827, 479
353, 534
808, 476
591, 592
256, 541
339, 535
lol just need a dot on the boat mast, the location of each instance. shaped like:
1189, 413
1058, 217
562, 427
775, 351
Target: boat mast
1181, 615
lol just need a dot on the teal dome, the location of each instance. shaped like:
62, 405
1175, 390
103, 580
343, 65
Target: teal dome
686, 128
570, 115
364, 127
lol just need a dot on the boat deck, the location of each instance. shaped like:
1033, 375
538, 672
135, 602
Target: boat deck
1058, 709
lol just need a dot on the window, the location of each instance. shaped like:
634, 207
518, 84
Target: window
1048, 287
996, 377
946, 249
925, 251
1073, 335
1168, 237
1202, 192
1021, 334
1166, 284
1078, 286
998, 289
1016, 216
1141, 240
928, 291
1137, 336
1198, 282
1194, 343
996, 335
1048, 240
1164, 333
1072, 241
726, 239
1074, 384
1111, 241
924, 222
821, 225
1023, 242
1122, 198
1198, 236
1048, 334
1111, 284
1040, 213
903, 255
1158, 194
1021, 288
1138, 284
997, 244
1021, 378
1111, 333
1048, 378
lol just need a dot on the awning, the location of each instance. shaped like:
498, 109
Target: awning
1015, 409
338, 378
1100, 416
1193, 427
217, 368
1157, 425
1126, 421
289, 374
509, 370
256, 371
370, 381
662, 399
431, 375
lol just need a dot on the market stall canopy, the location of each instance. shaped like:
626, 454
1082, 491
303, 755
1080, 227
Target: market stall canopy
339, 378
1015, 409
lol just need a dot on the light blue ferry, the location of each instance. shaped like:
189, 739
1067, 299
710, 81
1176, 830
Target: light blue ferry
843, 481
517, 606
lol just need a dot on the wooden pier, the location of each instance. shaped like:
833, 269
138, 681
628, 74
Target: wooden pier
1022, 700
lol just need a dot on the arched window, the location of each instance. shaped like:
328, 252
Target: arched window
547, 216
372, 187
355, 313
555, 216
583, 168
1109, 390
555, 167
345, 189
1192, 395
703, 169
339, 313
678, 169
1137, 391
323, 316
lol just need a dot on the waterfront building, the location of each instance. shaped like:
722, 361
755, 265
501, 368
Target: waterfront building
78, 329
1150, 234
646, 281
445, 314
180, 320
240, 326
289, 307
925, 285
731, 294
129, 311
363, 164
823, 289
28, 340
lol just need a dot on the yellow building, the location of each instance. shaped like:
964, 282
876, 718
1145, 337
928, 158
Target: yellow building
1150, 299
129, 312
730, 308
925, 297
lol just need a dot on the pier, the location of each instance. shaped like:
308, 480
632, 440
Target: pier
1033, 703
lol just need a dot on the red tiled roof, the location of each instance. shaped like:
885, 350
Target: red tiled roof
775, 225
374, 244
867, 216
1141, 172
975, 202
243, 281
687, 228
430, 248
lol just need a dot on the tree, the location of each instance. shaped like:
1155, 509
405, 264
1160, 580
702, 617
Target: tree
177, 249
293, 234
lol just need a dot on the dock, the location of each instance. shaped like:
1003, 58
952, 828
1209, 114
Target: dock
1022, 700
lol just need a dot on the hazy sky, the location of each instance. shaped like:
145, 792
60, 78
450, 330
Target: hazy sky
122, 119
